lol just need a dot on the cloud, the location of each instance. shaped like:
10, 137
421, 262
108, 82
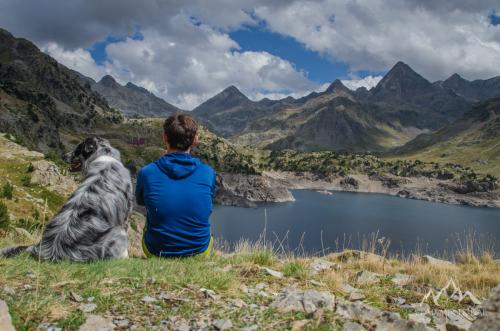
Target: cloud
186, 54
368, 82
189, 65
78, 59
437, 38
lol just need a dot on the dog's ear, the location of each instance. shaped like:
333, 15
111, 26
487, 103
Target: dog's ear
89, 147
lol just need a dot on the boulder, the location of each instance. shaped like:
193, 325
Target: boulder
320, 265
357, 311
491, 313
97, 323
455, 321
292, 300
433, 261
367, 278
403, 279
273, 273
353, 326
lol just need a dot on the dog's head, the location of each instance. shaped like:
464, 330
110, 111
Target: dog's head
87, 151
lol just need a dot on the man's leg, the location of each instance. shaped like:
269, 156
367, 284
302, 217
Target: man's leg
144, 248
209, 248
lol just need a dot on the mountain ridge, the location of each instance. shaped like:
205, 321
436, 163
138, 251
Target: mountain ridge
133, 100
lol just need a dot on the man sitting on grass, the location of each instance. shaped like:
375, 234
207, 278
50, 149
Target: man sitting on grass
177, 191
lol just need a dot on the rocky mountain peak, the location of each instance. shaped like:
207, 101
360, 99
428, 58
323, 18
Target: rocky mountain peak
337, 86
108, 81
401, 81
455, 81
137, 88
232, 91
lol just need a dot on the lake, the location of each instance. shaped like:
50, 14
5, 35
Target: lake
318, 223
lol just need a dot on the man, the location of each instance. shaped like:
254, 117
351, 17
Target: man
177, 191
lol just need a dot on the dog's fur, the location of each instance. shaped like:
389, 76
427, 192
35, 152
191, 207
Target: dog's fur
92, 224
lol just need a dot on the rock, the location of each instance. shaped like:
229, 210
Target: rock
122, 323
209, 294
9, 291
356, 296
250, 328
418, 307
148, 299
182, 327
403, 279
355, 255
291, 300
353, 326
419, 318
367, 278
491, 313
97, 323
244, 190
316, 283
433, 261
47, 174
273, 273
48, 327
222, 324
349, 183
75, 296
87, 307
357, 311
238, 303
5, 320
320, 265
401, 325
455, 321
399, 301
299, 325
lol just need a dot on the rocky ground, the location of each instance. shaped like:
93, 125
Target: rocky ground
246, 291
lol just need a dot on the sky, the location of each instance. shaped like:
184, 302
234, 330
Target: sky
187, 51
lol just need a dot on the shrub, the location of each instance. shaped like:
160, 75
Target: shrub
4, 216
7, 190
26, 180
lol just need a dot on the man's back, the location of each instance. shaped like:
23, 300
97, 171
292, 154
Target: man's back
177, 191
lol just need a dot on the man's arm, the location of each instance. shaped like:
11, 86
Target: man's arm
139, 189
214, 184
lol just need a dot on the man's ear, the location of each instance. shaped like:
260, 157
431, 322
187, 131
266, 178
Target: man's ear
196, 141
165, 140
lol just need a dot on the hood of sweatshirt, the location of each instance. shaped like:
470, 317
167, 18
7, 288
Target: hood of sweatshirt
178, 165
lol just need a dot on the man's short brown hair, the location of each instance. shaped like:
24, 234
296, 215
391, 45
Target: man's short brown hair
180, 130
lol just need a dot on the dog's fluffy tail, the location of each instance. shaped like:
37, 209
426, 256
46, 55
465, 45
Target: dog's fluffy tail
16, 250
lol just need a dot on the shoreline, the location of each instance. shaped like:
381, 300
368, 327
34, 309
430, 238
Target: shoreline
274, 186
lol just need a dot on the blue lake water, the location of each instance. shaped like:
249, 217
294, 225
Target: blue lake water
317, 223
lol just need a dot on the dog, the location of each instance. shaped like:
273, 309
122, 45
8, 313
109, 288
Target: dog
92, 224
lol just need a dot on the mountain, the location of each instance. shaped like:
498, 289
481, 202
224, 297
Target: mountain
40, 98
406, 97
230, 111
476, 90
133, 100
472, 140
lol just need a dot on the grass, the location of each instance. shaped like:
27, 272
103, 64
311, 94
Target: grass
117, 286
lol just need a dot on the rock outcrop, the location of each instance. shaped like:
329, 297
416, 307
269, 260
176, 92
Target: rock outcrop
490, 320
246, 190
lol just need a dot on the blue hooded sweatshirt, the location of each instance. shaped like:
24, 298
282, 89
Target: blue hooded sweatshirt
177, 191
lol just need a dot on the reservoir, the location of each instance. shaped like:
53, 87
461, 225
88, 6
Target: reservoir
318, 223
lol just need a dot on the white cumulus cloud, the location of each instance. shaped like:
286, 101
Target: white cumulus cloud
368, 82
